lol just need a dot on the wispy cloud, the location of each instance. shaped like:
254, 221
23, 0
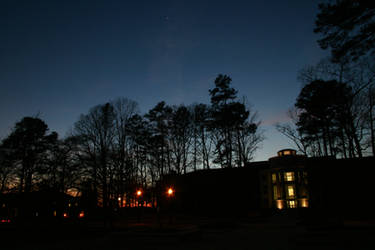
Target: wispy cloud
281, 117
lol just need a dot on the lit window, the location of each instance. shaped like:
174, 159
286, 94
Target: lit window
304, 203
274, 179
292, 204
290, 191
289, 176
280, 204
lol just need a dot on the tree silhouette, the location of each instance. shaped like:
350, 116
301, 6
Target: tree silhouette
125, 156
292, 133
180, 127
96, 130
202, 144
325, 111
229, 124
360, 76
348, 28
28, 145
7, 162
158, 118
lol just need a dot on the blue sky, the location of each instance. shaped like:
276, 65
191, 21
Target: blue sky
60, 58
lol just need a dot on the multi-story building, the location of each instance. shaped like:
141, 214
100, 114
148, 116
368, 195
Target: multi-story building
286, 181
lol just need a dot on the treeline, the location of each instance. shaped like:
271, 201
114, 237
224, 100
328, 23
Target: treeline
113, 149
334, 112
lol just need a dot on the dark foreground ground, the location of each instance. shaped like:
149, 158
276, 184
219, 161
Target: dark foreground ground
283, 231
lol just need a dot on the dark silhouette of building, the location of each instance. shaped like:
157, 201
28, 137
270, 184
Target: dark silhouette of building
39, 205
286, 181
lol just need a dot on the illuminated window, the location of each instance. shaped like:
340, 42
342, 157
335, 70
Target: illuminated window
286, 152
289, 176
280, 204
304, 203
292, 204
275, 194
290, 191
274, 178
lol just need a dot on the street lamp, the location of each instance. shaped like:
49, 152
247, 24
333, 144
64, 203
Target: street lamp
139, 194
170, 192
139, 212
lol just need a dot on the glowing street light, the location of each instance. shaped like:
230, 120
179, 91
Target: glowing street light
139, 193
170, 192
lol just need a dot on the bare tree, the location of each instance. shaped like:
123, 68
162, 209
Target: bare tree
290, 131
97, 132
124, 158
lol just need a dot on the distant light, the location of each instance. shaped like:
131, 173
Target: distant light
65, 215
280, 204
170, 191
5, 221
81, 214
119, 198
139, 193
304, 203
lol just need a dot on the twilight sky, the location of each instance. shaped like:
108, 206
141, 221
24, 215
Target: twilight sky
60, 58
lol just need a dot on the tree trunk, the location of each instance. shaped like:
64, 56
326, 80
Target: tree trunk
371, 105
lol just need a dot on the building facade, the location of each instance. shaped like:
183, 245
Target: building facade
286, 181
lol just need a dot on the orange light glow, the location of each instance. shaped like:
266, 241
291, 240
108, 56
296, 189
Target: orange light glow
65, 215
139, 193
81, 214
170, 191
280, 204
304, 203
